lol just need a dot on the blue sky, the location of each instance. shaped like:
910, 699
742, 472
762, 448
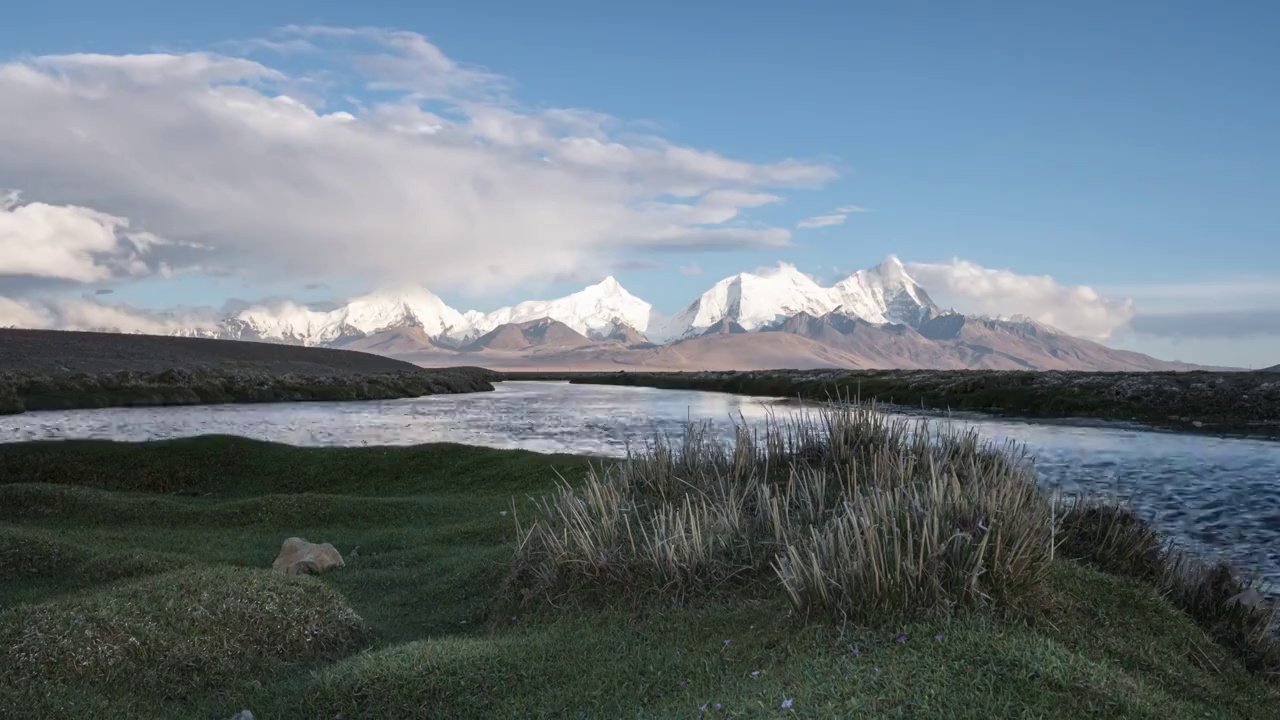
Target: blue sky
1128, 147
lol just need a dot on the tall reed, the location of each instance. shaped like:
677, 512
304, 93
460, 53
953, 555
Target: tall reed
845, 510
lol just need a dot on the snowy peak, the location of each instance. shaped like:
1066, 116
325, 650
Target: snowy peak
404, 307
884, 294
750, 301
608, 285
596, 312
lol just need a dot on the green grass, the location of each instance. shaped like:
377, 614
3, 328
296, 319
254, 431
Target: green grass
167, 543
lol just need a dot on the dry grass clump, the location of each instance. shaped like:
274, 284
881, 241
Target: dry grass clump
847, 512
173, 634
1231, 608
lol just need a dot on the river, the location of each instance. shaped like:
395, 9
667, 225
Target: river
1220, 495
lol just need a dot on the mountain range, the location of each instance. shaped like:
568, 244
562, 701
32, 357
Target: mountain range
875, 318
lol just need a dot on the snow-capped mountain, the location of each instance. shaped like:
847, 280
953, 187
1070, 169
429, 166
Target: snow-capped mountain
750, 301
753, 301
597, 312
879, 317
884, 294
364, 315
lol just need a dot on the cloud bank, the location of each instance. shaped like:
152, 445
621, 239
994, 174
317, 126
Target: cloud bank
83, 313
442, 178
1076, 310
70, 243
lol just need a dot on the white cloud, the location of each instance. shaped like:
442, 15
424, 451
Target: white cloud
835, 217
83, 313
68, 242
20, 314
1077, 310
471, 194
818, 221
403, 60
691, 269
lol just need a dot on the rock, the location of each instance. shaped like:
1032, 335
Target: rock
297, 556
242, 715
1197, 424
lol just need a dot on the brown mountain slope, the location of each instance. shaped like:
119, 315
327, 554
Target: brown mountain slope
536, 334
946, 342
752, 351
627, 336
390, 342
958, 342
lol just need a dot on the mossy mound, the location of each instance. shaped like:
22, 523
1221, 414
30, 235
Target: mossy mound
32, 555
167, 638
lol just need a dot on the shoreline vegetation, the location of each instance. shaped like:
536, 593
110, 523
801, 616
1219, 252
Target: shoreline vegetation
27, 391
58, 370
1245, 403
845, 563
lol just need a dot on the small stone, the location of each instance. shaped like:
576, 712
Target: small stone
242, 715
297, 556
1197, 424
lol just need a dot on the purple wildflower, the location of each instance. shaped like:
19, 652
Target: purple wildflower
755, 673
703, 708
902, 638
513, 617
856, 651
683, 683
938, 636
726, 642
718, 706
786, 703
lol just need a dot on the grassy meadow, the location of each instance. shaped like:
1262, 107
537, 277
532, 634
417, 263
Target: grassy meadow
847, 566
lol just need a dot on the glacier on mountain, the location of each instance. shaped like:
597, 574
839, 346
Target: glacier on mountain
400, 307
884, 294
881, 295
597, 312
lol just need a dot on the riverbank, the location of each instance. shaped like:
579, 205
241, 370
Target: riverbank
434, 612
56, 370
1222, 402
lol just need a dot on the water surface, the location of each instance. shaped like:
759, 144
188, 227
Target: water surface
1222, 495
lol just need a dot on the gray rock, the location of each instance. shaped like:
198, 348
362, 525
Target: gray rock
243, 715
